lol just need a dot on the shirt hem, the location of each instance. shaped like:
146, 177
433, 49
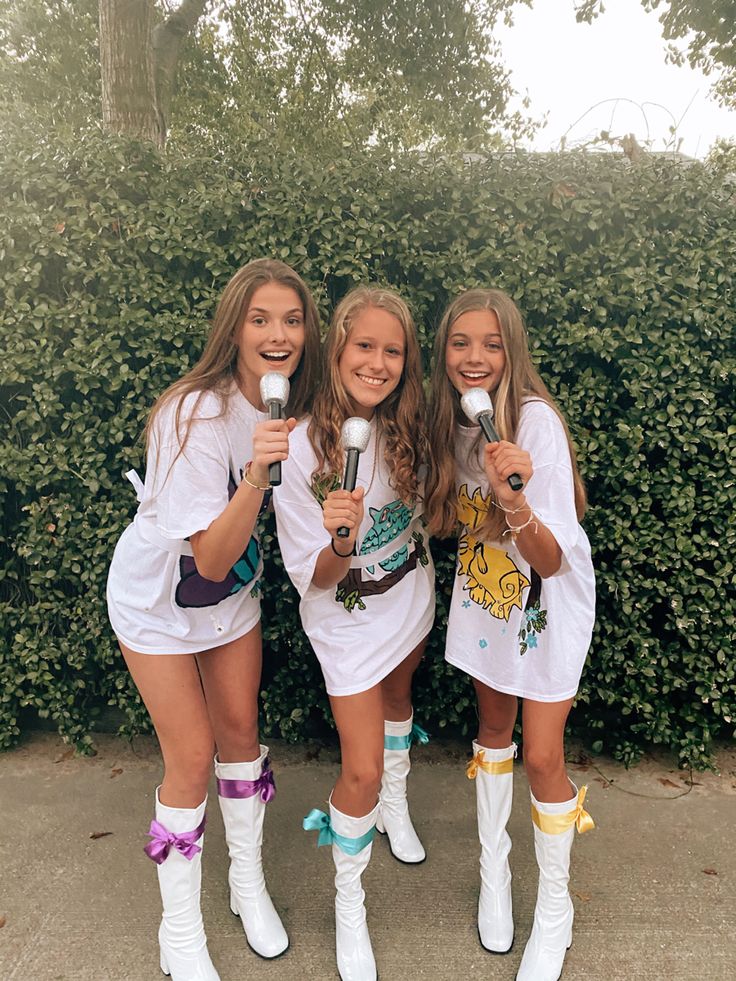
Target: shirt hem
190, 649
395, 662
456, 662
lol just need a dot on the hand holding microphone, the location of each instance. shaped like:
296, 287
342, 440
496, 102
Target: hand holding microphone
274, 389
477, 406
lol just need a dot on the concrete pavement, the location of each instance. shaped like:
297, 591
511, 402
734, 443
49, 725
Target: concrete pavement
654, 885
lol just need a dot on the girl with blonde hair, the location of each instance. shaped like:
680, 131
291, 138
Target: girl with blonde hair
183, 599
367, 600
522, 606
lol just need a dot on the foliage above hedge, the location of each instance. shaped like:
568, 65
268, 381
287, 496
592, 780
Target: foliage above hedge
112, 258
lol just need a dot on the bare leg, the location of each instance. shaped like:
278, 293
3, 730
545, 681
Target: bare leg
496, 716
359, 720
543, 725
231, 677
396, 686
171, 690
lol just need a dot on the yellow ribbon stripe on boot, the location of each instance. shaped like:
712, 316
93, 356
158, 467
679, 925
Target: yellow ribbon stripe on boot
556, 824
478, 762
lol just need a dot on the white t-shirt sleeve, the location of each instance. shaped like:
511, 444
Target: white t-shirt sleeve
299, 520
191, 487
550, 491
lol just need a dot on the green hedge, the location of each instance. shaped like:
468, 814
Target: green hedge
112, 260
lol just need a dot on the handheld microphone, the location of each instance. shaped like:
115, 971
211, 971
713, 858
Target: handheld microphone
274, 395
355, 436
477, 406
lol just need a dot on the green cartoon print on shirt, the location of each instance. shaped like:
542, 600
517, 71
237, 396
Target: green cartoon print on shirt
388, 523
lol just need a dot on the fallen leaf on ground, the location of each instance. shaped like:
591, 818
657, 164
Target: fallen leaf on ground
584, 896
100, 834
666, 782
65, 756
116, 771
3, 921
710, 871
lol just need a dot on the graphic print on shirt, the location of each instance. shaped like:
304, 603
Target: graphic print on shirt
388, 523
194, 591
492, 579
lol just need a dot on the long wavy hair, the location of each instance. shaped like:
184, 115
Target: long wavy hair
520, 380
217, 368
401, 415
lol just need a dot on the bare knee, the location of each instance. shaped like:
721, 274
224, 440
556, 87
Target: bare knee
543, 762
237, 739
495, 735
396, 705
187, 774
363, 779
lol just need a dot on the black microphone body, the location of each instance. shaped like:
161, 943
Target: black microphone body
275, 411
348, 482
485, 421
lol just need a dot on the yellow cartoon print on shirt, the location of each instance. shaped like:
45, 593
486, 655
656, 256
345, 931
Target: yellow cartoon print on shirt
493, 580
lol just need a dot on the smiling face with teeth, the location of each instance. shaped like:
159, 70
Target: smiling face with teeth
372, 360
271, 337
474, 355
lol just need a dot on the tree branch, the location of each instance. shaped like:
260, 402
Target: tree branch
167, 40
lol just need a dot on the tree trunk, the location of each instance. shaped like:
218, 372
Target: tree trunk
126, 62
138, 64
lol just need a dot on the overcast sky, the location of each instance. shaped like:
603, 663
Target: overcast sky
567, 68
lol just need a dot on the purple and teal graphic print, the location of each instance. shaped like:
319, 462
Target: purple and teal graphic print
194, 591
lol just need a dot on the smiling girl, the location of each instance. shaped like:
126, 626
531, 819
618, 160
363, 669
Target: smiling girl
367, 601
183, 599
522, 605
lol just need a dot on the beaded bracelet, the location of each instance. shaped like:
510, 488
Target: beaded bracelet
342, 555
250, 482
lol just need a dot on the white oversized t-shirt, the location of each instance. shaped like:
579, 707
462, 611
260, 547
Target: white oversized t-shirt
510, 629
157, 601
365, 626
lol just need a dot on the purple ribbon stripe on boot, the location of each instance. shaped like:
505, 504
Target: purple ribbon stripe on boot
164, 840
265, 785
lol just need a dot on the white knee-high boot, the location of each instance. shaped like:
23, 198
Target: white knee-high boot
178, 838
352, 842
554, 830
243, 790
393, 816
493, 772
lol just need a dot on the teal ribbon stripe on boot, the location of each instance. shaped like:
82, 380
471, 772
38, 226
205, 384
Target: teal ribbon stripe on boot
417, 735
319, 821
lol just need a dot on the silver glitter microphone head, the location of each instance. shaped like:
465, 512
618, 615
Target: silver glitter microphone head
356, 434
474, 402
274, 388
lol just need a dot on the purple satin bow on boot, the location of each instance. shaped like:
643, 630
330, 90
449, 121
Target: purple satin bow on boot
265, 785
164, 840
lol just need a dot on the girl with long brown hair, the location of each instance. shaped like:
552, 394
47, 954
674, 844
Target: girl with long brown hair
183, 599
522, 606
367, 600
